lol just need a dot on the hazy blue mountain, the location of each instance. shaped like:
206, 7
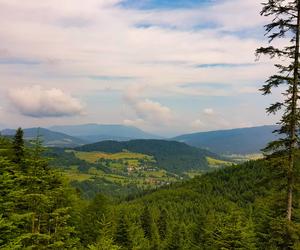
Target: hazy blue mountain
50, 138
99, 132
172, 156
2, 126
234, 141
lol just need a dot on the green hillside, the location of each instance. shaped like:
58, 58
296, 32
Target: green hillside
110, 168
115, 174
172, 156
236, 207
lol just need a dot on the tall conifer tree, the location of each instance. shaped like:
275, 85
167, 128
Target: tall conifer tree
285, 24
18, 146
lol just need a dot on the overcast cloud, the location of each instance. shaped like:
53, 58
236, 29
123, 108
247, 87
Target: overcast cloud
188, 59
38, 102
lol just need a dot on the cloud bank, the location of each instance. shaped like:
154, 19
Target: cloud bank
38, 102
146, 110
98, 49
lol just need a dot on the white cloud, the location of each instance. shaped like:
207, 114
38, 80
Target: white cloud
153, 111
136, 122
35, 101
197, 124
210, 120
50, 32
208, 111
147, 110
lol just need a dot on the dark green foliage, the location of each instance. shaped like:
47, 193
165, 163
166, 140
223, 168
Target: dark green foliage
285, 23
35, 204
146, 221
233, 208
18, 146
122, 232
238, 207
61, 158
92, 217
90, 188
162, 223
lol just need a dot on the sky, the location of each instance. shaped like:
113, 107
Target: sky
165, 66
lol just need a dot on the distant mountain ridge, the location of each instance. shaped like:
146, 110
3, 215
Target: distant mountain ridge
50, 138
172, 156
233, 141
99, 132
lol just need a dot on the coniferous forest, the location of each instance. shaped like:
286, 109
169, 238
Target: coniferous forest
237, 207
250, 205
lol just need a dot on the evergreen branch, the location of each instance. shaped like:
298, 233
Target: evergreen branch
271, 51
274, 108
273, 82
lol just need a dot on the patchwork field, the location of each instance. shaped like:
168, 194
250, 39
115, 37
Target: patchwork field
93, 157
123, 173
218, 163
114, 173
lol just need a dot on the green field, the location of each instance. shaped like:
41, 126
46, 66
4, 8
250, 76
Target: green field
243, 158
93, 157
111, 172
218, 163
101, 171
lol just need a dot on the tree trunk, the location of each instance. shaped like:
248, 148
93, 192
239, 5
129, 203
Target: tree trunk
293, 137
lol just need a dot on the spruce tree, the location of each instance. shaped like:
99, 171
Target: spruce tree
146, 221
285, 24
122, 234
18, 146
162, 224
42, 206
91, 219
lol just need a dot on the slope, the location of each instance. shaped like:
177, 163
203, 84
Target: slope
237, 207
99, 132
172, 156
235, 141
50, 138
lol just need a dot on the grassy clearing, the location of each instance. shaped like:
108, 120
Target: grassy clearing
193, 173
72, 175
127, 169
92, 157
243, 158
218, 163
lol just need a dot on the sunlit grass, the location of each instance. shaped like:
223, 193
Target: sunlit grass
217, 163
93, 157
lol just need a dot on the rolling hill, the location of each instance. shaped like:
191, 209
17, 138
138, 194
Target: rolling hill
99, 132
50, 138
234, 141
172, 156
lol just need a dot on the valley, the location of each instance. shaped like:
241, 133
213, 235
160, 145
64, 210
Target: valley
141, 125
115, 171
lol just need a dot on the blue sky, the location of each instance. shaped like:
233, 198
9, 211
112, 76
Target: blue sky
167, 67
164, 4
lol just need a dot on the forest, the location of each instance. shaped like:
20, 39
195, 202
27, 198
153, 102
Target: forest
237, 207
162, 194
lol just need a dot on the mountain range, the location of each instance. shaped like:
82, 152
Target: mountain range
225, 142
50, 138
234, 141
99, 132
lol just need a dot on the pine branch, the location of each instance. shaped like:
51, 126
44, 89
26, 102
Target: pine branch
273, 82
274, 108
